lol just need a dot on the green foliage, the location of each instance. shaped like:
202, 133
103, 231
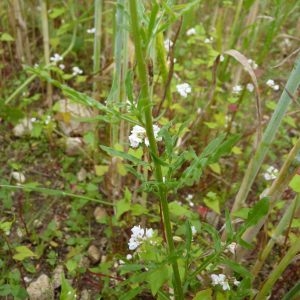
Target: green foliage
182, 182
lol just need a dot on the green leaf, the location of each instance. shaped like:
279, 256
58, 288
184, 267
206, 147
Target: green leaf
138, 210
23, 252
56, 12
67, 292
123, 205
295, 183
213, 146
178, 210
224, 148
100, 170
131, 294
257, 212
212, 201
215, 168
6, 226
112, 152
204, 295
157, 278
6, 37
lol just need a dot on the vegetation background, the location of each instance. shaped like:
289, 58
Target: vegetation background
214, 186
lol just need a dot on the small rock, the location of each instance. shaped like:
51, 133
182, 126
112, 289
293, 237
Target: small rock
84, 262
85, 295
94, 254
82, 174
41, 289
100, 213
58, 272
18, 176
73, 145
23, 128
68, 112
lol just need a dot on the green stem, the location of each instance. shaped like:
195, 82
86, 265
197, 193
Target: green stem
97, 42
269, 134
147, 108
283, 224
278, 270
287, 172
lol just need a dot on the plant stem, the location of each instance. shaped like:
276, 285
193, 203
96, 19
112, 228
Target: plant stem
97, 43
287, 172
278, 270
45, 30
147, 109
283, 224
269, 134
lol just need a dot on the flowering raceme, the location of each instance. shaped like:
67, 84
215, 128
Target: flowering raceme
138, 236
183, 89
138, 136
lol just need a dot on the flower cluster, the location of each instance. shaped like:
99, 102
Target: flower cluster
253, 64
237, 89
208, 40
220, 280
183, 89
250, 87
76, 71
91, 30
168, 44
271, 84
56, 58
191, 31
138, 236
271, 173
138, 136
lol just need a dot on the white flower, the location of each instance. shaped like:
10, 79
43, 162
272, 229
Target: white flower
253, 64
138, 135
194, 230
76, 71
271, 173
128, 256
183, 89
236, 282
48, 119
149, 233
208, 40
138, 236
191, 31
18, 176
168, 44
56, 58
237, 89
91, 30
62, 66
250, 87
271, 84
222, 57
189, 197
33, 119
232, 247
220, 280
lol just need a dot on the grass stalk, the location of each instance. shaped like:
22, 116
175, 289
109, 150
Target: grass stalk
287, 172
282, 225
32, 77
45, 33
97, 44
117, 93
278, 270
268, 136
147, 109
